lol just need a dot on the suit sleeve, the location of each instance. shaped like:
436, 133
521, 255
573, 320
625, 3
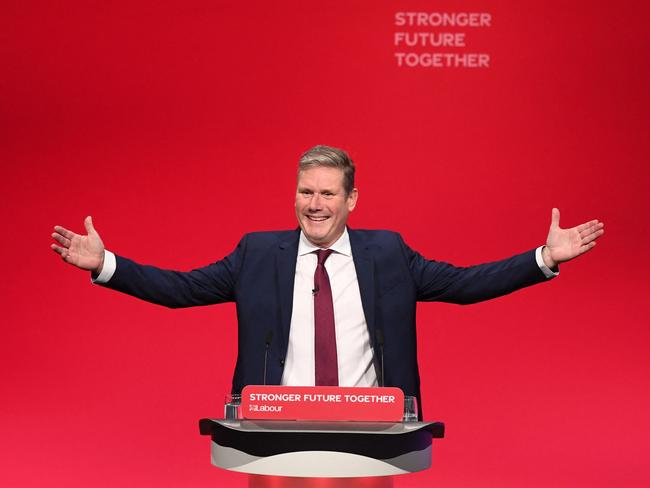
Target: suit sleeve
443, 282
208, 285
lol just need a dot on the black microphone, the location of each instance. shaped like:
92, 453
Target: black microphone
379, 339
267, 345
314, 291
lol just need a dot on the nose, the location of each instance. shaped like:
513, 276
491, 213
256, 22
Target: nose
315, 202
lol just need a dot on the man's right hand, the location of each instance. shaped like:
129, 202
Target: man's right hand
85, 252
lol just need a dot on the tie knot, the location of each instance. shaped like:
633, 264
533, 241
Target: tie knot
323, 254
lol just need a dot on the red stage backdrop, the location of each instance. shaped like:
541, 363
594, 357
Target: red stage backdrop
177, 126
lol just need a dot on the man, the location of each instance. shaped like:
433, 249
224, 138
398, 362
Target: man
321, 299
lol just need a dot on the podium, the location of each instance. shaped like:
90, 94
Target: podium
317, 450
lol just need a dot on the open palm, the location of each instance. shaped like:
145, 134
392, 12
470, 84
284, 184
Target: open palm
85, 252
565, 244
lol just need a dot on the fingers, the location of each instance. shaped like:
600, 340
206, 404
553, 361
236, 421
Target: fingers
589, 233
88, 224
64, 232
555, 218
62, 251
587, 225
584, 249
64, 241
592, 236
598, 228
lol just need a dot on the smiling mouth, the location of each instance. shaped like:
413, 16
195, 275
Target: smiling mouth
316, 219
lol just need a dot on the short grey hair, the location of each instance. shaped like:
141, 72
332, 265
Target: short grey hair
330, 157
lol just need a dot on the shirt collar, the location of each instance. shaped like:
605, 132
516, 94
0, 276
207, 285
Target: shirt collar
341, 246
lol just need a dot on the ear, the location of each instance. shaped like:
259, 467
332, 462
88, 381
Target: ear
352, 199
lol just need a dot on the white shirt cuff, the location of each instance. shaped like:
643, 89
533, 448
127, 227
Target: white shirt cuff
548, 272
109, 268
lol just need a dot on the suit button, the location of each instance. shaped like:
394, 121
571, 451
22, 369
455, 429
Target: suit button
282, 362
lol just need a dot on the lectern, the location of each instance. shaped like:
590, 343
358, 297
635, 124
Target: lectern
316, 449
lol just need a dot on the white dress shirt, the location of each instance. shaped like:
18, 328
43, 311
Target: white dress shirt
353, 348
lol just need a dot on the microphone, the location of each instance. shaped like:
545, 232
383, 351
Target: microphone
267, 345
315, 290
379, 339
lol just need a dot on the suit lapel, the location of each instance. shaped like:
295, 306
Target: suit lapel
286, 272
365, 268
286, 258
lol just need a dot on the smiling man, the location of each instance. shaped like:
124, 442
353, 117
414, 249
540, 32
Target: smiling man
325, 197
322, 298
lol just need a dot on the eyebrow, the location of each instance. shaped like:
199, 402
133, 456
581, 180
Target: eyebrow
325, 190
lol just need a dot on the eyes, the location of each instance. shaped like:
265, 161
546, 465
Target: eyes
327, 195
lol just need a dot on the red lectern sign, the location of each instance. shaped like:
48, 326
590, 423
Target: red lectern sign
322, 403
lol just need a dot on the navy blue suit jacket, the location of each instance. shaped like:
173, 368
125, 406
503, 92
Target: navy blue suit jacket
259, 275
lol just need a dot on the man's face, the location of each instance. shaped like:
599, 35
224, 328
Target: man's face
322, 207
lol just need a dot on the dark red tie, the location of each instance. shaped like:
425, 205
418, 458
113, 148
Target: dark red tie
327, 371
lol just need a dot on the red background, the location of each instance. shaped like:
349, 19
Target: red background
178, 125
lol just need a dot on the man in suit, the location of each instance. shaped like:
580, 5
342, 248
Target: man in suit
325, 299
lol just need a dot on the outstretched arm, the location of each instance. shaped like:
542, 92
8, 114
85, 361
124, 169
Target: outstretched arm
565, 244
84, 252
211, 284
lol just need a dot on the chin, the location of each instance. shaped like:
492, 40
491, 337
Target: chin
318, 240
314, 234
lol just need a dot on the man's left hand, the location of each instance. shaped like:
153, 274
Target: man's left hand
565, 244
